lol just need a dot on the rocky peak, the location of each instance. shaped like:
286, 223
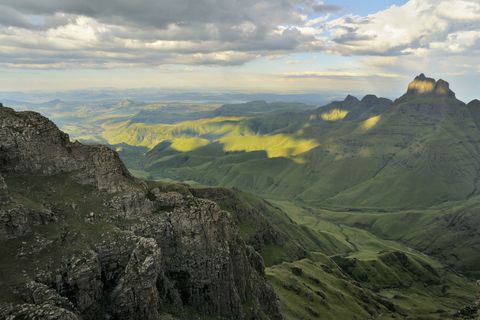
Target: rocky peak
423, 85
351, 99
474, 104
32, 144
369, 98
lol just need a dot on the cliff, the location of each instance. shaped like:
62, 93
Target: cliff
82, 239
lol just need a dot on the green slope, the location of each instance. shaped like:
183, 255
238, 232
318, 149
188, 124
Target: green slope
370, 187
376, 278
418, 151
449, 232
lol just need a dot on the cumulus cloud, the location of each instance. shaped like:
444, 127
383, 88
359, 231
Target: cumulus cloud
149, 32
418, 25
113, 33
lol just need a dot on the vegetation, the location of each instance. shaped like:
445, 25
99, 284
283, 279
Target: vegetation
372, 207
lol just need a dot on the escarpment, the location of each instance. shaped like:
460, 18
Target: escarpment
32, 144
82, 239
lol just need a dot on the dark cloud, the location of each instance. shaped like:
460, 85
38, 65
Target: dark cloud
326, 8
161, 13
207, 29
104, 33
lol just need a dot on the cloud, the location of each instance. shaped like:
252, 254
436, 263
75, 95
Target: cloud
419, 24
149, 32
338, 74
116, 33
326, 8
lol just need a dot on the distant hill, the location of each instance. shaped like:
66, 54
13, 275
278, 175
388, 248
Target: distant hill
408, 169
421, 150
81, 238
258, 107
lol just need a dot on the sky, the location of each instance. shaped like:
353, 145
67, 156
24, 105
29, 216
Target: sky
284, 46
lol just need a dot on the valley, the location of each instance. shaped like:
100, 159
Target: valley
360, 209
240, 160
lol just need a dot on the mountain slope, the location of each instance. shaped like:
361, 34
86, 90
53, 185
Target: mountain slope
82, 239
418, 151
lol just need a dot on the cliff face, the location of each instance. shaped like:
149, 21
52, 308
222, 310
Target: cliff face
82, 239
32, 144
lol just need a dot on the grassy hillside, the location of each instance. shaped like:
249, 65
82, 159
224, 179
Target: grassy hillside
327, 270
375, 278
449, 232
405, 171
416, 152
372, 210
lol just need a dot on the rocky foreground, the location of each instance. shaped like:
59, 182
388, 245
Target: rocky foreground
82, 239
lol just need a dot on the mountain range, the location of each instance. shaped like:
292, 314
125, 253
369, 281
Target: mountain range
358, 209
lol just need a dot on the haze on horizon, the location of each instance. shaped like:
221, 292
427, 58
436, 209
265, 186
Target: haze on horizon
256, 46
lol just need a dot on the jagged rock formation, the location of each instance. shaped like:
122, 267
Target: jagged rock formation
121, 250
30, 143
422, 85
19, 220
353, 109
266, 226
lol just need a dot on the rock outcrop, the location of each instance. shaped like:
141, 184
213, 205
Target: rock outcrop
19, 220
136, 294
423, 85
4, 196
205, 259
122, 250
30, 143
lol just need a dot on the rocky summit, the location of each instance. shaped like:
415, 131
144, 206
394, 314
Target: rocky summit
82, 239
32, 144
423, 85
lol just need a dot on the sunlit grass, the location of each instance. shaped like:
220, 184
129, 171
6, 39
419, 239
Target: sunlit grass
149, 135
334, 115
185, 144
279, 145
187, 136
421, 86
370, 123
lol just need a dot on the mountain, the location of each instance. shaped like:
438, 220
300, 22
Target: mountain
405, 170
257, 107
82, 239
418, 151
352, 109
423, 86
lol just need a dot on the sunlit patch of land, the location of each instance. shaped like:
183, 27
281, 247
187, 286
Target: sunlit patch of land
370, 123
334, 115
279, 145
232, 132
150, 135
421, 86
185, 144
